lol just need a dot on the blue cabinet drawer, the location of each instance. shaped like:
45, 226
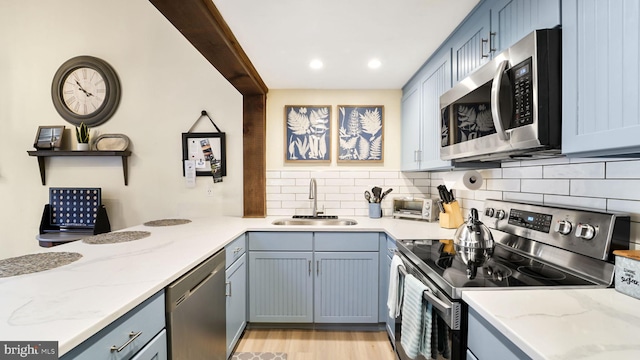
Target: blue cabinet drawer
281, 241
235, 249
134, 329
346, 241
155, 350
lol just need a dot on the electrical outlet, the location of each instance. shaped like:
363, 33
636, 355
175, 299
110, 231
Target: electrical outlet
209, 191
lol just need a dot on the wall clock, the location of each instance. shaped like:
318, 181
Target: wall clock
85, 89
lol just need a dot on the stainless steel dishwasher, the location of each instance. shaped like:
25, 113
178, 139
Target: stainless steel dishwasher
196, 312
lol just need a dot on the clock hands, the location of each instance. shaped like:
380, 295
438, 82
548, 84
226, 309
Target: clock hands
83, 90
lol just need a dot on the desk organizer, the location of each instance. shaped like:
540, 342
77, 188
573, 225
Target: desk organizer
451, 218
72, 214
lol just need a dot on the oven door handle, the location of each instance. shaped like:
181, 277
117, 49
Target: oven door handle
495, 101
437, 303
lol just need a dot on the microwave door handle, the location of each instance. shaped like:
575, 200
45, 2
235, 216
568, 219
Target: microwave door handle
495, 101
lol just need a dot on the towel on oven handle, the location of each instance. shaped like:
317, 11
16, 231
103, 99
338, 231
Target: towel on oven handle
396, 287
416, 319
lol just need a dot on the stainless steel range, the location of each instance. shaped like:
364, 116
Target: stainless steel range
536, 246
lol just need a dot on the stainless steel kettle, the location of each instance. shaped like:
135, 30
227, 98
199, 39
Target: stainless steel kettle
474, 243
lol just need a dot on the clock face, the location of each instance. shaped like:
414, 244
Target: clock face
84, 91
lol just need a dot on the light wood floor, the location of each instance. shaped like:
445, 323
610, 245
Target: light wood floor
319, 344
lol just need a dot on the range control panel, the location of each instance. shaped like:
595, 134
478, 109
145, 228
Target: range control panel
587, 232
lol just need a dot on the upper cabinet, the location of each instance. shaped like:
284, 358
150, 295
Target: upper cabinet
601, 96
492, 27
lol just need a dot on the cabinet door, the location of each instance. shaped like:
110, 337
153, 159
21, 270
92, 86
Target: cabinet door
346, 289
437, 81
410, 130
511, 20
487, 342
470, 45
156, 349
280, 287
600, 76
236, 291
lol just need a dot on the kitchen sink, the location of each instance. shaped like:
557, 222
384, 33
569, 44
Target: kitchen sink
314, 221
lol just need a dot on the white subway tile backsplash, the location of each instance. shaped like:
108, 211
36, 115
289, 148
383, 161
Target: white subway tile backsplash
339, 182
305, 196
523, 197
398, 182
576, 201
279, 212
529, 172
615, 189
422, 182
294, 189
368, 183
307, 182
484, 194
352, 189
326, 174
625, 206
416, 175
574, 171
296, 204
547, 186
281, 182
384, 174
274, 204
510, 164
296, 174
273, 175
363, 204
548, 161
354, 174
503, 184
340, 197
623, 170
272, 190
280, 197
491, 173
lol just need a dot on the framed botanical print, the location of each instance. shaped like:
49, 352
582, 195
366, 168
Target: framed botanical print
361, 133
307, 133
208, 150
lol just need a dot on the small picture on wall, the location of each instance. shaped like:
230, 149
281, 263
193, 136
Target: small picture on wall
307, 133
208, 151
48, 137
361, 130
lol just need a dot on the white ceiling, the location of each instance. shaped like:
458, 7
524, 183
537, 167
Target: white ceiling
281, 37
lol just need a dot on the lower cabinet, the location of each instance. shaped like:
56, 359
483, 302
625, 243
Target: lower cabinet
305, 277
236, 291
485, 342
139, 333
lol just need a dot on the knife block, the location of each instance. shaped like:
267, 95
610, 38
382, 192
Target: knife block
451, 218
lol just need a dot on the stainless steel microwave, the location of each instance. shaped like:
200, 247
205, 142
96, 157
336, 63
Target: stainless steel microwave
510, 108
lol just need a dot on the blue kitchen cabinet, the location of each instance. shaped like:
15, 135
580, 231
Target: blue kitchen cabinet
139, 331
470, 43
600, 77
346, 284
410, 146
511, 20
280, 277
485, 342
236, 291
420, 122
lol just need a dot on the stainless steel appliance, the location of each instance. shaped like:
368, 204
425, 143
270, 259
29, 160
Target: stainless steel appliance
196, 312
416, 208
510, 108
536, 246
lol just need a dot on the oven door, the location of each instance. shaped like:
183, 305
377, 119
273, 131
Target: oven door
448, 338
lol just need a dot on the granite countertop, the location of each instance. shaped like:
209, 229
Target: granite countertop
70, 303
558, 324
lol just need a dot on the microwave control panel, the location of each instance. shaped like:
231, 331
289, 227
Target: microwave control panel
522, 94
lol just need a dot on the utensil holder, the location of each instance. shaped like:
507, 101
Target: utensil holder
451, 218
375, 211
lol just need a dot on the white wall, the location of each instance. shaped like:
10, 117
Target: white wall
165, 85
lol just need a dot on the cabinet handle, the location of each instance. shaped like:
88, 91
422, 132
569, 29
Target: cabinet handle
482, 42
309, 267
237, 250
492, 42
227, 287
317, 267
132, 336
417, 155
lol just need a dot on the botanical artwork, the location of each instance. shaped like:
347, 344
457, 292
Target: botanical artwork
474, 121
307, 133
360, 133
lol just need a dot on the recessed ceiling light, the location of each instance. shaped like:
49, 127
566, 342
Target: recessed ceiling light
316, 64
374, 64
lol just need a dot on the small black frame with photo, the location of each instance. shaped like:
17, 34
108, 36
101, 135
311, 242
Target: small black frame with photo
208, 150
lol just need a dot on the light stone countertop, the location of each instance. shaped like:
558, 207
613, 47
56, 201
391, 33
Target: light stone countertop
586, 324
71, 303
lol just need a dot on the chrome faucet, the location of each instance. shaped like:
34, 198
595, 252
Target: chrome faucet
313, 194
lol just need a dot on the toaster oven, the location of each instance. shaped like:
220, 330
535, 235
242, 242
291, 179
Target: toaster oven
416, 208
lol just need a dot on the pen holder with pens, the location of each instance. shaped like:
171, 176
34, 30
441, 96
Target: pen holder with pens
451, 218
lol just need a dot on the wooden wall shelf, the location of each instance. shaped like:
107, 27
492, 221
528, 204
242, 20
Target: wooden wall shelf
43, 154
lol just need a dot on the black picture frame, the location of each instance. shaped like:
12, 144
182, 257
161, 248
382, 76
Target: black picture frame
193, 149
48, 137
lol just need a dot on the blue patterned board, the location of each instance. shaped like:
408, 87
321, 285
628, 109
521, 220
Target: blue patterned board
74, 207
